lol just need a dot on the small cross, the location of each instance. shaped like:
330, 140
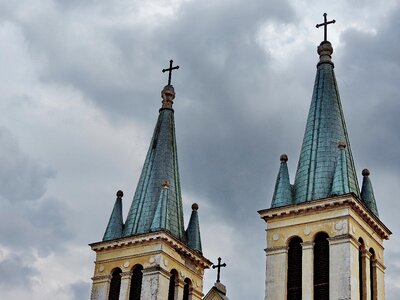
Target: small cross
219, 268
325, 24
170, 70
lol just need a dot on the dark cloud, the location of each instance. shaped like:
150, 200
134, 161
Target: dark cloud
80, 290
21, 178
15, 272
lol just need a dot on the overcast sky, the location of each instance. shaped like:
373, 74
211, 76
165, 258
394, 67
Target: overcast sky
80, 86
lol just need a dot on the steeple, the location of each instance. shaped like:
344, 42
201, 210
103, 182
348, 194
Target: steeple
193, 230
283, 189
155, 206
324, 130
115, 224
367, 193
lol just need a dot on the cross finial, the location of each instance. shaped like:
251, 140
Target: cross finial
325, 24
170, 70
219, 266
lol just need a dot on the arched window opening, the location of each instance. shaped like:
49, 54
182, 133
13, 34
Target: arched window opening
321, 267
362, 270
115, 284
372, 275
186, 289
295, 257
136, 283
172, 284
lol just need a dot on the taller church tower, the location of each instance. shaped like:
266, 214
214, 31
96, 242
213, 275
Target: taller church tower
324, 236
151, 256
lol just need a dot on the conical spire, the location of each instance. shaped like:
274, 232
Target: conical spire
340, 184
283, 189
367, 193
115, 224
325, 128
161, 165
193, 230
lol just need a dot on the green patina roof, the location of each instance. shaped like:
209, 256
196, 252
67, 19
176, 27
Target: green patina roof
115, 224
340, 184
161, 166
193, 230
324, 130
283, 189
367, 193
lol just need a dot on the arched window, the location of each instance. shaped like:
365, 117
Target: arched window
115, 284
295, 257
172, 284
136, 283
372, 275
321, 267
186, 289
362, 270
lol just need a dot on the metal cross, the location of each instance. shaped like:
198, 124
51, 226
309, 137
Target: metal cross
170, 70
219, 268
325, 24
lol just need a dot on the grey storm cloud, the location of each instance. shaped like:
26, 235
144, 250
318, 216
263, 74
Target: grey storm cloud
235, 114
18, 272
21, 178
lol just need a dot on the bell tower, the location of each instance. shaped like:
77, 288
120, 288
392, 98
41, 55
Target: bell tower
151, 256
324, 236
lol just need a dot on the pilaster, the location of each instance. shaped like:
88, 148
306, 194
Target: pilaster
380, 279
155, 283
308, 270
100, 287
179, 289
365, 257
125, 285
343, 267
276, 273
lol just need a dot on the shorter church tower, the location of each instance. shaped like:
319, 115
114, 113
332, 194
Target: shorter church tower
150, 256
324, 236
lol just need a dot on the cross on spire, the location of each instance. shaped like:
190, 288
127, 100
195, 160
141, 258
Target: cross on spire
170, 70
325, 24
219, 266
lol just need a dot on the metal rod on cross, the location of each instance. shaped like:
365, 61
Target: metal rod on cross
219, 268
325, 24
170, 70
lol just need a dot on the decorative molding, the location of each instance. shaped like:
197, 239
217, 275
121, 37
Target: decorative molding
276, 250
348, 200
101, 278
159, 236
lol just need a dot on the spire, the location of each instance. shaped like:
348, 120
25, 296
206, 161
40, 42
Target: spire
193, 230
325, 128
115, 224
367, 193
283, 189
340, 185
154, 205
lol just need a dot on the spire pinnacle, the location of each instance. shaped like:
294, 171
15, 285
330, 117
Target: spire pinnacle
367, 193
283, 189
193, 230
115, 224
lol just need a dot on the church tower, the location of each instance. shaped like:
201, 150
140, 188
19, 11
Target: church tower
324, 235
151, 256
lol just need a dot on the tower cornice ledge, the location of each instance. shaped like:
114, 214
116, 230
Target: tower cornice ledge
145, 238
348, 200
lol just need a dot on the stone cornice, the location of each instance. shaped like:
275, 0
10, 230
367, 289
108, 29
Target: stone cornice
161, 236
310, 207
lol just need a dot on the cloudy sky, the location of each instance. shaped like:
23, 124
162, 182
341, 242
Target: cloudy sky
80, 86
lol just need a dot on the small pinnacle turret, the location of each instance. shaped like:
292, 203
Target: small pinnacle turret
367, 193
283, 189
193, 230
115, 224
340, 185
